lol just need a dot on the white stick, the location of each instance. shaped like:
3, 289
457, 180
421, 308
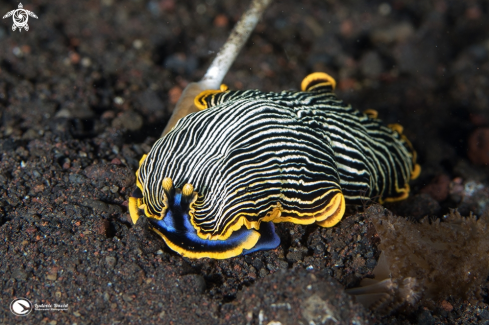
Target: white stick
221, 63
238, 37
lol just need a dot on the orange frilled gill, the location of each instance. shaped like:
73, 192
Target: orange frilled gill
216, 184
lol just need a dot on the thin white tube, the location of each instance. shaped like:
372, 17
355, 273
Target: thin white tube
221, 63
238, 37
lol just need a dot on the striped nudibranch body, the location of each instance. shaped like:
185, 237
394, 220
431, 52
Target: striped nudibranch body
216, 183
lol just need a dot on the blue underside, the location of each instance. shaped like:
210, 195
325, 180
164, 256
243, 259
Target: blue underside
177, 228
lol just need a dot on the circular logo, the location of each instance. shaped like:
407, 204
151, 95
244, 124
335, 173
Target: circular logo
20, 17
21, 307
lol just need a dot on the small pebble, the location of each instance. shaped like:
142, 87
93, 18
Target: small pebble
17, 51
446, 306
52, 276
249, 316
484, 314
346, 28
201, 9
137, 44
110, 260
129, 120
473, 13
385, 9
221, 21
86, 62
116, 161
127, 298
118, 100
174, 93
74, 58
371, 65
26, 49
438, 188
108, 115
167, 5
478, 150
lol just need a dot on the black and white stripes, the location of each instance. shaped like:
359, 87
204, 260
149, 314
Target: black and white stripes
256, 157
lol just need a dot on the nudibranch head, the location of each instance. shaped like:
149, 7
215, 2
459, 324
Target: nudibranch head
218, 181
174, 225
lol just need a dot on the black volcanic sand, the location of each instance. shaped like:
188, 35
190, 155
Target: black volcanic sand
88, 89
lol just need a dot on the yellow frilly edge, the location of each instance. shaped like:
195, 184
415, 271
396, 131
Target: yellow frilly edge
248, 244
328, 217
396, 127
315, 78
135, 204
334, 213
404, 193
416, 167
133, 209
199, 100
416, 171
372, 113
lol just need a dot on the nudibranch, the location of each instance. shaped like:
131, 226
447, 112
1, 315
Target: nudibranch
218, 181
